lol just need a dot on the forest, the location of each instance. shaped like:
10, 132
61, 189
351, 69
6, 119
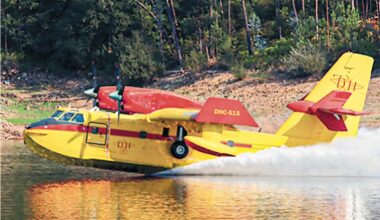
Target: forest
300, 38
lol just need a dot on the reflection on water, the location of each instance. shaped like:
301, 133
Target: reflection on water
206, 198
38, 189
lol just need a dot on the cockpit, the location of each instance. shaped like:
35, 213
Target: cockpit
62, 116
69, 116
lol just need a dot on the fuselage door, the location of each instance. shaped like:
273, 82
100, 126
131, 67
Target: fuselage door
96, 133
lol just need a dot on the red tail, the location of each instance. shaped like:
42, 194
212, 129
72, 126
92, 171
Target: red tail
329, 109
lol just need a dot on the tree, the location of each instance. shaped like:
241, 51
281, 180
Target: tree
316, 20
277, 9
170, 12
295, 10
247, 31
327, 24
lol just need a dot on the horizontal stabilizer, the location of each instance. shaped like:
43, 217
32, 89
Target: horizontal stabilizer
329, 109
342, 111
225, 111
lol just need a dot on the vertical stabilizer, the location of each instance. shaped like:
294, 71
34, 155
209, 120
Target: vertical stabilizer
349, 75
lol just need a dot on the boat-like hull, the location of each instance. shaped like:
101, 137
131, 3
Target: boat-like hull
96, 163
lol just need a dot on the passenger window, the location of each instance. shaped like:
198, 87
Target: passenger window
56, 114
78, 118
67, 116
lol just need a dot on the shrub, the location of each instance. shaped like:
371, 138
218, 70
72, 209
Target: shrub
239, 71
196, 61
305, 60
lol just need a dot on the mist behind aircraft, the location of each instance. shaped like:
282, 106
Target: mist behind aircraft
359, 156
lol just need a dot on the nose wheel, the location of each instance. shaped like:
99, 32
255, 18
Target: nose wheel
179, 149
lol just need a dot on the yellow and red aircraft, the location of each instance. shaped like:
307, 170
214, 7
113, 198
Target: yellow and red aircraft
159, 130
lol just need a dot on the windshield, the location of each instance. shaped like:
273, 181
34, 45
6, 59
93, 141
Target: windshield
78, 118
56, 114
67, 116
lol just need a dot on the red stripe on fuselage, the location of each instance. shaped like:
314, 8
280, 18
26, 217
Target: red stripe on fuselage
136, 134
116, 132
63, 127
207, 151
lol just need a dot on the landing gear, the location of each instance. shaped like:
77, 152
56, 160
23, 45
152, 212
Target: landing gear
179, 149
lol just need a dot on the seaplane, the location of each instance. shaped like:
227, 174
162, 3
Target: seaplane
148, 130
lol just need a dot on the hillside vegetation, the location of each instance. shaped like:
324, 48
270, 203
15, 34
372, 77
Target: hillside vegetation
147, 37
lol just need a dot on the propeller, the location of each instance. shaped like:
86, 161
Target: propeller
118, 94
93, 92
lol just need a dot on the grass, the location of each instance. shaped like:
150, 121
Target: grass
26, 112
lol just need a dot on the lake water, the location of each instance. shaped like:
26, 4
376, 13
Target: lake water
246, 188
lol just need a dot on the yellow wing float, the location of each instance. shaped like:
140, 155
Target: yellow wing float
170, 137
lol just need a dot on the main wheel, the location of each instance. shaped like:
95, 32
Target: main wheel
179, 149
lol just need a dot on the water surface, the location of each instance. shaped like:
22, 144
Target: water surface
34, 188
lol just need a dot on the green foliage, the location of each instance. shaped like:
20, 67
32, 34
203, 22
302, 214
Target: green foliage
135, 57
67, 35
304, 60
227, 54
9, 60
196, 61
239, 71
27, 112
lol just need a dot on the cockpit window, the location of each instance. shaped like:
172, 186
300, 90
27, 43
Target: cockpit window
67, 116
78, 118
56, 114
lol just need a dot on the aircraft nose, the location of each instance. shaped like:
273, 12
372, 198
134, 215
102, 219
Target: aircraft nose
43, 122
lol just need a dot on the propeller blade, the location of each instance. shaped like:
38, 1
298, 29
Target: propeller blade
91, 92
115, 96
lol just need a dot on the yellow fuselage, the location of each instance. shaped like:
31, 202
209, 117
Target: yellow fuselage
138, 143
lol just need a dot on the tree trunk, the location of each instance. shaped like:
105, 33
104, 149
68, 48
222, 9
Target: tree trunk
303, 8
295, 10
363, 12
229, 17
316, 20
247, 32
357, 4
352, 4
169, 11
328, 24
221, 8
303, 5
277, 7
174, 14
200, 40
157, 10
208, 55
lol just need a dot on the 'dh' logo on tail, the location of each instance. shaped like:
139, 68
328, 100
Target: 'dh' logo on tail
345, 83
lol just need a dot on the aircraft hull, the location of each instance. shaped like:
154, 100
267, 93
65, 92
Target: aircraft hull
96, 163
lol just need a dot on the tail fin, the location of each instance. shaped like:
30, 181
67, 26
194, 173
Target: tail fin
333, 107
